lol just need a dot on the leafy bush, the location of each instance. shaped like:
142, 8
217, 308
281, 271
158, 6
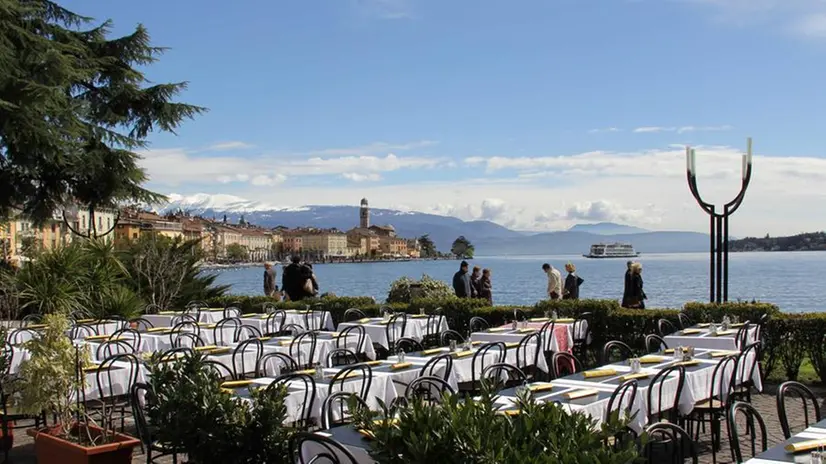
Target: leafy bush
708, 312
475, 432
189, 411
426, 287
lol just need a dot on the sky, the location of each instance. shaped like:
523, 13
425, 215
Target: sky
535, 114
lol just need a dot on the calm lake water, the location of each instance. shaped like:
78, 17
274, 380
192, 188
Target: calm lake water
793, 280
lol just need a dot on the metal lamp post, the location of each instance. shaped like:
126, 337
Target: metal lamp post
718, 224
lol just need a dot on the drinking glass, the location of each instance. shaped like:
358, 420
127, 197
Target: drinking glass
452, 346
401, 355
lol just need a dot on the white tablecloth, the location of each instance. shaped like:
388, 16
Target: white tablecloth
705, 340
164, 319
510, 336
292, 317
377, 329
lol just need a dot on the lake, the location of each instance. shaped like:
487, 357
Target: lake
792, 280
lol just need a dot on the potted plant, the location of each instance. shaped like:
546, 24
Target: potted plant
51, 380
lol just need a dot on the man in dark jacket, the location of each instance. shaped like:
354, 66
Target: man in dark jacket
461, 281
269, 280
292, 282
627, 290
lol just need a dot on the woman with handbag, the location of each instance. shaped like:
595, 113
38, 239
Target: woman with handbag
572, 282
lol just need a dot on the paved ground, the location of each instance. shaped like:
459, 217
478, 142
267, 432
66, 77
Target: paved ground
23, 452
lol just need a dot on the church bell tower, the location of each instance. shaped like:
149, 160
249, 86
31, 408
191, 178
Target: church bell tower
364, 214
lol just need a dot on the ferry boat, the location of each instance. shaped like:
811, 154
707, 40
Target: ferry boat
612, 250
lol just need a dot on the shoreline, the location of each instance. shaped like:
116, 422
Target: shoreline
244, 264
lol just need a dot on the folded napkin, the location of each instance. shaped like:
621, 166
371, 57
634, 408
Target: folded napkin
373, 363
392, 421
335, 334
538, 387
599, 373
207, 326
419, 316
477, 342
512, 412
228, 390
91, 368
738, 324
367, 434
640, 375
97, 337
462, 354
582, 393
566, 320
285, 342
84, 321
725, 332
526, 330
722, 354
350, 375
669, 351
306, 371
205, 347
511, 345
652, 359
249, 314
264, 339
168, 313
704, 324
399, 366
236, 383
158, 329
805, 445
539, 319
432, 351
693, 362
691, 331
215, 309
498, 329
363, 320
219, 350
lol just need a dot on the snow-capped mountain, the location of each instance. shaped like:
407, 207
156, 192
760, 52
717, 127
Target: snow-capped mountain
202, 201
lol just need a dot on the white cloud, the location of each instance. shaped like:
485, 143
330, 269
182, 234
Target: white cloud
802, 18
173, 167
682, 129
356, 177
605, 130
226, 146
645, 129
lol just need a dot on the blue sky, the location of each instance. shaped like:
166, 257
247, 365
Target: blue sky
536, 114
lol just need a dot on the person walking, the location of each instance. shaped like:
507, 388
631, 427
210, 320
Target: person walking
486, 287
269, 280
627, 289
636, 295
461, 281
554, 289
291, 281
475, 282
572, 283
309, 282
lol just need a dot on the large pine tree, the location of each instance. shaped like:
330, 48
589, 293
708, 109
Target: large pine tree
73, 109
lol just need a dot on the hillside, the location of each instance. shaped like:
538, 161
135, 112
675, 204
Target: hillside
814, 241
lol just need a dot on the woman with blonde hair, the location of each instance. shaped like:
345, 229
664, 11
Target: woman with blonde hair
636, 296
572, 282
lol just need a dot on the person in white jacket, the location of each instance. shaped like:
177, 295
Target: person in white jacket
554, 282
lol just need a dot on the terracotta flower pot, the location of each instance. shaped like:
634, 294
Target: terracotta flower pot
50, 448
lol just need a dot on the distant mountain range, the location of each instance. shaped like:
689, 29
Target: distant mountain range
488, 238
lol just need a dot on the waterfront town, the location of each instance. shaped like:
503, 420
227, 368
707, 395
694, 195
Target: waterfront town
220, 240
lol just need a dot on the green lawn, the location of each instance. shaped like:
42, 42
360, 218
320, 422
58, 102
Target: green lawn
807, 374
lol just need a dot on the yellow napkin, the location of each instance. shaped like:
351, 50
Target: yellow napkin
477, 342
462, 354
511, 345
399, 366
669, 351
498, 329
599, 373
97, 337
641, 375
219, 350
335, 334
306, 371
691, 331
652, 359
215, 309
373, 363
539, 319
737, 325
249, 314
725, 332
265, 339
364, 320
236, 383
84, 321
722, 354
538, 387
526, 330
367, 434
158, 329
419, 316
350, 375
393, 421
35, 326
228, 390
576, 394
566, 320
512, 412
206, 347
432, 351
91, 368
805, 445
704, 324
285, 342
168, 313
693, 362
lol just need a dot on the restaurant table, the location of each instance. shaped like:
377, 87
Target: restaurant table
562, 339
19, 355
118, 377
348, 437
704, 339
778, 454
376, 327
165, 318
321, 319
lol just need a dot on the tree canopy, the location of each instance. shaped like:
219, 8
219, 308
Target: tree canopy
73, 108
428, 248
462, 248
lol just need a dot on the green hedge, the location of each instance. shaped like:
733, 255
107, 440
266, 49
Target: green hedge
789, 339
